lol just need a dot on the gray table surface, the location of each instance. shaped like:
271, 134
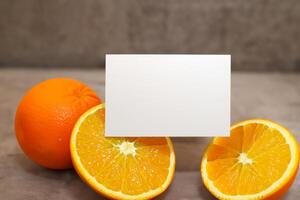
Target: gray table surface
269, 95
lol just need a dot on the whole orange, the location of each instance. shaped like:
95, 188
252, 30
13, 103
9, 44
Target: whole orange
45, 119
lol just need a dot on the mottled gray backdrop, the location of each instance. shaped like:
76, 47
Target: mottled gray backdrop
260, 34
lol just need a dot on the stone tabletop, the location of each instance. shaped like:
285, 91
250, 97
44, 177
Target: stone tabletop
268, 95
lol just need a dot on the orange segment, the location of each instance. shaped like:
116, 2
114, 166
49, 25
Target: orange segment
258, 161
120, 168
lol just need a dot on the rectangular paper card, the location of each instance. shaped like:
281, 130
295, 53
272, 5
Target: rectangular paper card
167, 95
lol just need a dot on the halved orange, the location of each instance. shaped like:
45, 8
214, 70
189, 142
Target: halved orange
258, 161
120, 168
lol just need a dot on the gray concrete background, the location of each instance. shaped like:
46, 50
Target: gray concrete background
260, 35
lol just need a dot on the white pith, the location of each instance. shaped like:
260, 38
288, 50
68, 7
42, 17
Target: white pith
127, 148
244, 159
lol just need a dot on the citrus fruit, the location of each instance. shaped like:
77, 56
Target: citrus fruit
258, 161
120, 168
46, 116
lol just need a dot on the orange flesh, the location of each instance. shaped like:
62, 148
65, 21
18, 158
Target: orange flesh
249, 161
141, 166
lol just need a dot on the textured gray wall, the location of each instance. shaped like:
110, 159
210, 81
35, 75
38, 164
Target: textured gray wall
260, 34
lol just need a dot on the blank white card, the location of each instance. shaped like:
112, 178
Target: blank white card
167, 95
